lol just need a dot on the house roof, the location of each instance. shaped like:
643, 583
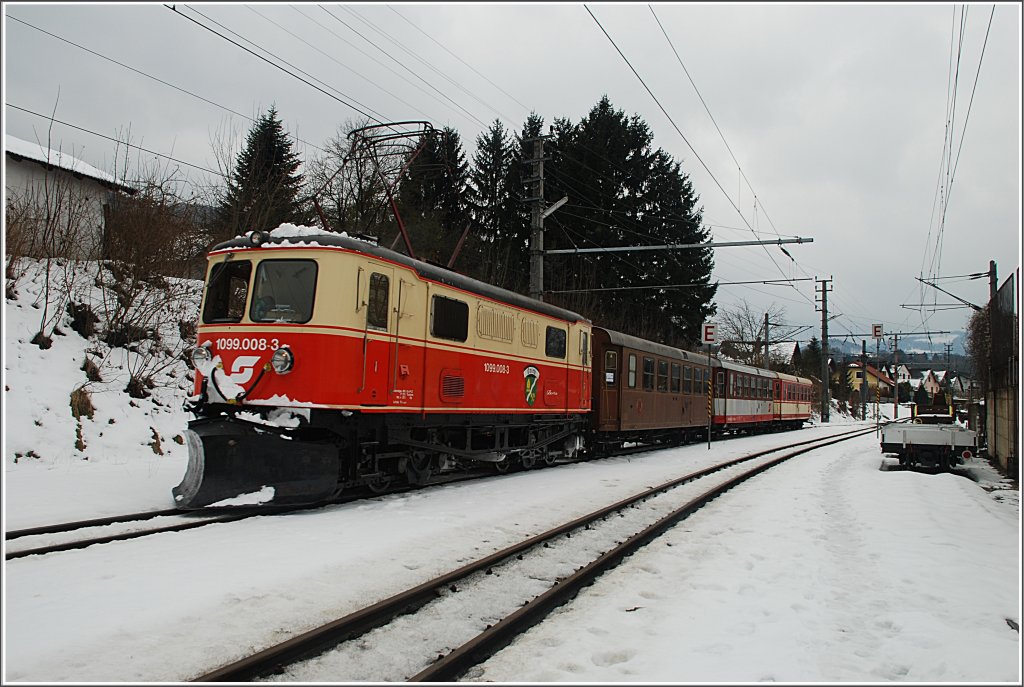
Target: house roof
874, 372
37, 152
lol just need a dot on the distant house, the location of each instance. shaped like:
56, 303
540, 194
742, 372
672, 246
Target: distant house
930, 381
878, 382
56, 204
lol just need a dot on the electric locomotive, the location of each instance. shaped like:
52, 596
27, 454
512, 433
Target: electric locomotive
325, 362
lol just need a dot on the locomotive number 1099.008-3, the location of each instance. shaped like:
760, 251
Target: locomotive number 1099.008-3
247, 344
496, 368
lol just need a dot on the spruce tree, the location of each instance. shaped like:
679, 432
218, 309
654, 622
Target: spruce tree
432, 197
263, 191
500, 230
622, 192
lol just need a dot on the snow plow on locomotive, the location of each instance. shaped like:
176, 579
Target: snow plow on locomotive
326, 363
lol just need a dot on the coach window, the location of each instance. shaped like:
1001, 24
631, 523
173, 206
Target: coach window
377, 303
611, 367
687, 380
648, 374
554, 343
283, 291
227, 290
662, 375
449, 318
674, 385
632, 371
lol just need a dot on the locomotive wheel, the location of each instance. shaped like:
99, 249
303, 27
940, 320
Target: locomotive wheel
503, 466
379, 484
528, 459
418, 468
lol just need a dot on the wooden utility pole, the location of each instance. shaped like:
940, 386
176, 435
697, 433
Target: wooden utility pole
824, 348
863, 379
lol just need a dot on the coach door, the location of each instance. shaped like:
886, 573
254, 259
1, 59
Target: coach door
610, 390
378, 333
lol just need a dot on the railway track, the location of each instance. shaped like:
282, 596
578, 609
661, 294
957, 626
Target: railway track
81, 534
442, 627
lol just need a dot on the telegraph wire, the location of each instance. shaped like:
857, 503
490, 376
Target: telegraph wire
683, 136
426, 64
445, 48
332, 58
149, 76
711, 116
455, 104
273, 64
109, 138
970, 103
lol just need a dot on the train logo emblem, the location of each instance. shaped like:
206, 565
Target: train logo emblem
242, 368
531, 375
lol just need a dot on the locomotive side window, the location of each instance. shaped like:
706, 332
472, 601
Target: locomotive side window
720, 391
226, 292
632, 371
648, 374
662, 375
283, 291
585, 348
377, 306
554, 343
674, 385
611, 366
449, 318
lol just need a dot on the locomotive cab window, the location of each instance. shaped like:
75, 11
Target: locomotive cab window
554, 343
377, 302
283, 291
226, 292
449, 318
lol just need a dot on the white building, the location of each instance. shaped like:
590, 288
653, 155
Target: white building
56, 204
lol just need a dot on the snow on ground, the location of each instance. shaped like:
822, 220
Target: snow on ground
128, 448
824, 569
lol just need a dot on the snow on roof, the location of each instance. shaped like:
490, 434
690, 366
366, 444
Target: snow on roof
40, 153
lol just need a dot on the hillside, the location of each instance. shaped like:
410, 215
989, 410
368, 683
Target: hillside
137, 433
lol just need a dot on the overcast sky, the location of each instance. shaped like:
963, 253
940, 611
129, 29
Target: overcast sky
837, 115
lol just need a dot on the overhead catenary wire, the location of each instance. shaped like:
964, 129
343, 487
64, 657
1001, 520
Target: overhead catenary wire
374, 117
682, 135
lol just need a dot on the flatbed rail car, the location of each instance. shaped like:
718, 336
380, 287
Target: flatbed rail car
931, 440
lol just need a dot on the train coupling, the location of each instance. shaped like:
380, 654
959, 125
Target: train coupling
236, 463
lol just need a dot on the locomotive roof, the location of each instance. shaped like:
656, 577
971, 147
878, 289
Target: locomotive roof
424, 269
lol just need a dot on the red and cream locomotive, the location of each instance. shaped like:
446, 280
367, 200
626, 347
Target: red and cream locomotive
324, 362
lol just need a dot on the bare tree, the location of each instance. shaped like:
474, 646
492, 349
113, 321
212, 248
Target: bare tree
742, 331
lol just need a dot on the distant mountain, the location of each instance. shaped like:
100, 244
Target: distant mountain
933, 346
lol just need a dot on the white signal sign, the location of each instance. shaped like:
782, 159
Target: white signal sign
876, 331
710, 334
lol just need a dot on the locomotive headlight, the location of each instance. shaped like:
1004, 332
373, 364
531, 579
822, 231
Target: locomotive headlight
201, 356
258, 238
282, 361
